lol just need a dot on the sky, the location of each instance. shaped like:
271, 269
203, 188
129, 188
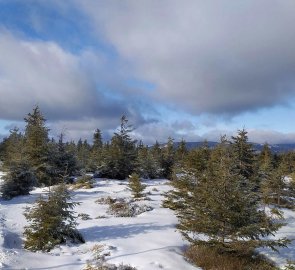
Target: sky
189, 70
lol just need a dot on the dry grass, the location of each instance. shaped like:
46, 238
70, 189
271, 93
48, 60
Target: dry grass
209, 258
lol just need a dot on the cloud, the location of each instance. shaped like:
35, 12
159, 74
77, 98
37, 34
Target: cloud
41, 73
271, 137
225, 57
67, 87
149, 133
254, 135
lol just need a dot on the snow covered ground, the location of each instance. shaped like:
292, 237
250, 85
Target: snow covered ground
147, 242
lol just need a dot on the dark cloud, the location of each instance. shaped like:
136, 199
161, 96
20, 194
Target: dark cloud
224, 57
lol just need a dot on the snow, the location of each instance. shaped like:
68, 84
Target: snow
148, 241
288, 253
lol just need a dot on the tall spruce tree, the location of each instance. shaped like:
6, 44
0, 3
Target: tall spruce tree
62, 160
96, 151
168, 159
120, 159
221, 204
244, 153
147, 165
83, 154
180, 154
13, 148
36, 145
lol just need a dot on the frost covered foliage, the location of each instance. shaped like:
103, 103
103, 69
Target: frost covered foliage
19, 181
52, 221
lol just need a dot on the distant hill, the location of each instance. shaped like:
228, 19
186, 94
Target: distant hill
275, 148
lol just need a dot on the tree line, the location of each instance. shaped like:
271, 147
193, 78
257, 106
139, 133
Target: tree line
230, 193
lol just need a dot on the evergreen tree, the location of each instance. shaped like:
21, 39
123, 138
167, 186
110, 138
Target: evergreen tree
275, 188
180, 154
96, 151
63, 162
13, 148
36, 145
168, 159
197, 159
52, 221
221, 204
246, 161
120, 160
83, 154
18, 181
135, 185
148, 167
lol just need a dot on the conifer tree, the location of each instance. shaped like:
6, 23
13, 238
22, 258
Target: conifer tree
62, 160
244, 153
135, 185
83, 154
181, 153
20, 177
52, 221
19, 180
13, 148
96, 151
148, 167
168, 159
36, 145
120, 159
221, 204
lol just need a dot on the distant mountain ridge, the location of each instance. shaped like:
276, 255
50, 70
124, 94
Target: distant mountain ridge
275, 148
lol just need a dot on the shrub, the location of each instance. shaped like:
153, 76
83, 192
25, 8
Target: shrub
85, 182
212, 258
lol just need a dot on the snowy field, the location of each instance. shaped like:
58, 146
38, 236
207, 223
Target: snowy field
148, 241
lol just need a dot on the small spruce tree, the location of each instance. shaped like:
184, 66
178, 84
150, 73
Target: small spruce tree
136, 186
52, 221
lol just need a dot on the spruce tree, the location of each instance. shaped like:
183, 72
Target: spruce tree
52, 221
221, 204
13, 148
83, 154
19, 180
147, 165
20, 176
180, 154
36, 145
168, 159
62, 160
135, 185
96, 151
120, 158
244, 153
